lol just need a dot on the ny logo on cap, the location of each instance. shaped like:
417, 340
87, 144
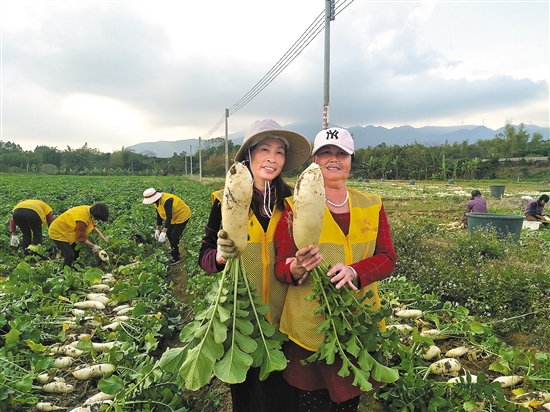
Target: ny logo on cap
332, 134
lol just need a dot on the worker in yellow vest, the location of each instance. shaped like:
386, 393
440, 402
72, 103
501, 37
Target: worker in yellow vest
73, 227
267, 150
174, 212
356, 242
29, 216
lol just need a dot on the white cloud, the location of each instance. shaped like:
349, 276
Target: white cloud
113, 74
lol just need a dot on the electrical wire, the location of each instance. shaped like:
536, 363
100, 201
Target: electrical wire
294, 51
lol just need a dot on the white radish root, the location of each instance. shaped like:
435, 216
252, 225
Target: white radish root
58, 387
43, 378
409, 313
100, 287
94, 371
507, 381
237, 195
445, 365
90, 304
463, 379
47, 406
124, 311
309, 207
434, 334
457, 352
100, 297
536, 396
99, 397
63, 362
400, 328
431, 352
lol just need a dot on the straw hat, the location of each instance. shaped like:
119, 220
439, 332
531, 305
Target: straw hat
151, 195
298, 148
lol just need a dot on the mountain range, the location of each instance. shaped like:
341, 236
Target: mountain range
364, 137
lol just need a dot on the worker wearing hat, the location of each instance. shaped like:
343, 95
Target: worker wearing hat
175, 214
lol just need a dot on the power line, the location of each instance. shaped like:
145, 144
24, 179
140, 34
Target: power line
295, 50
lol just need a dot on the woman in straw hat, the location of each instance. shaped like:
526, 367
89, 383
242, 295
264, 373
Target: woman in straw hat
174, 212
356, 242
267, 150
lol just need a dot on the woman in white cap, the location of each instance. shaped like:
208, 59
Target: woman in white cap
174, 212
357, 244
267, 150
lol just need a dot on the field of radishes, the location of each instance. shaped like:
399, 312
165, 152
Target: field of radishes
482, 301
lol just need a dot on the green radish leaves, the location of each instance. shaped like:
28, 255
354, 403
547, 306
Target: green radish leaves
351, 332
229, 336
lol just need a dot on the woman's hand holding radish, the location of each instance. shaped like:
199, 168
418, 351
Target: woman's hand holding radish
342, 275
226, 247
307, 259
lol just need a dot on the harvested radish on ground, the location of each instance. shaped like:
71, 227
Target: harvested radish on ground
101, 297
463, 379
100, 287
400, 328
63, 363
90, 304
409, 313
431, 352
47, 406
58, 387
434, 334
507, 381
94, 371
99, 397
457, 352
445, 365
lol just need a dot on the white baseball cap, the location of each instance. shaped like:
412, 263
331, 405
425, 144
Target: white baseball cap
334, 136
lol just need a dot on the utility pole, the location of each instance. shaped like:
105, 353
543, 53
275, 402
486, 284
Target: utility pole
226, 142
200, 161
329, 15
191, 158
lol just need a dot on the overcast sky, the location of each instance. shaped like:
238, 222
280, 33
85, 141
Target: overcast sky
117, 73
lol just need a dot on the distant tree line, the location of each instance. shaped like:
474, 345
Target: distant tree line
479, 160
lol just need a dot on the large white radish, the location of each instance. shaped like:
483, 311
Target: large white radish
445, 365
94, 371
237, 196
309, 207
58, 387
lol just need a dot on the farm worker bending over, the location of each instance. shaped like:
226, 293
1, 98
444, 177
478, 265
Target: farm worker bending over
356, 241
267, 150
534, 211
175, 212
477, 204
29, 216
73, 226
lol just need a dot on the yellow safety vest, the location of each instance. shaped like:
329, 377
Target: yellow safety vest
38, 206
63, 228
180, 211
259, 262
298, 320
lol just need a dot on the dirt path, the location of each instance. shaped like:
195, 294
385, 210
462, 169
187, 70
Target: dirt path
214, 397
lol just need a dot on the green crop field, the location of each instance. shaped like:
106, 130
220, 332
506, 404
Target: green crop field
481, 292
